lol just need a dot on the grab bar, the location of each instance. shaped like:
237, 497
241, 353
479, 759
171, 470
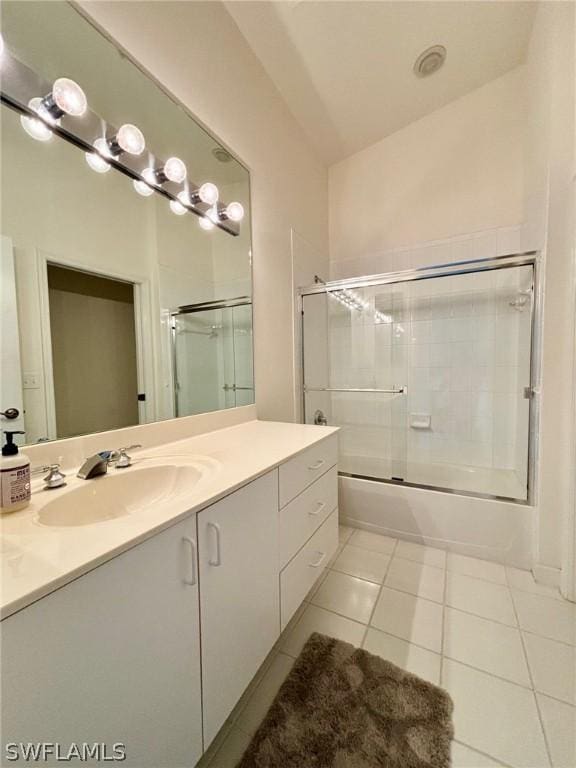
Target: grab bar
399, 391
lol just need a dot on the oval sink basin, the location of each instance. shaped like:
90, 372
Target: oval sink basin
120, 493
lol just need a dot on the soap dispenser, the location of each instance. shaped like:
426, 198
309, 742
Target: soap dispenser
14, 476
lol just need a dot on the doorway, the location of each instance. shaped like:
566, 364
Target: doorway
93, 344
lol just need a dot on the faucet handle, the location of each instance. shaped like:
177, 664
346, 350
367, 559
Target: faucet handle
54, 479
122, 459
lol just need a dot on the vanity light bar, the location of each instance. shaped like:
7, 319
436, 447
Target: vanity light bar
43, 117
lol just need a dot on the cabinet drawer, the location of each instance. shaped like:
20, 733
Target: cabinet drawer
302, 470
299, 576
306, 513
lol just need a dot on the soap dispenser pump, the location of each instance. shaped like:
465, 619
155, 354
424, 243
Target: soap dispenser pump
14, 476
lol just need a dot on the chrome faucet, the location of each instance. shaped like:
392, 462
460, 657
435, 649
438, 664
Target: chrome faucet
95, 465
99, 463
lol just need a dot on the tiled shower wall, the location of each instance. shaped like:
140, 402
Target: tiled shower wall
475, 245
457, 344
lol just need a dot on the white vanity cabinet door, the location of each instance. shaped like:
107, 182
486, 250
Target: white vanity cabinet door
239, 594
113, 657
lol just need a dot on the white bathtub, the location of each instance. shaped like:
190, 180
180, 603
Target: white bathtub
490, 529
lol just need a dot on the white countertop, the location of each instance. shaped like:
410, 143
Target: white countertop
36, 559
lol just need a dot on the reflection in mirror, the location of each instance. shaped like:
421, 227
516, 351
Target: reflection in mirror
106, 254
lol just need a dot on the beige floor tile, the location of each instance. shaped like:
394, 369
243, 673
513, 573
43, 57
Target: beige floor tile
347, 595
525, 582
422, 580
465, 757
480, 569
421, 554
410, 618
262, 697
419, 661
495, 717
491, 601
344, 533
363, 563
485, 644
315, 619
560, 726
373, 541
547, 617
232, 749
553, 666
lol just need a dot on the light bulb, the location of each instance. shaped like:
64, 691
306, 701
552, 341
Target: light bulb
174, 170
142, 188
213, 214
97, 163
68, 97
206, 223
1, 45
177, 207
235, 211
95, 159
130, 139
208, 193
149, 177
33, 126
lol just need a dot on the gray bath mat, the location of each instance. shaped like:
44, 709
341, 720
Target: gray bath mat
342, 707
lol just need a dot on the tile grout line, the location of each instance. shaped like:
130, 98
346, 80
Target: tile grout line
540, 718
501, 763
369, 624
443, 635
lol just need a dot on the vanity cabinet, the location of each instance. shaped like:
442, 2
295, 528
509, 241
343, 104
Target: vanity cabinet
239, 599
113, 657
154, 648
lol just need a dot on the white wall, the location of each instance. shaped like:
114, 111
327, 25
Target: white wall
549, 212
198, 53
457, 170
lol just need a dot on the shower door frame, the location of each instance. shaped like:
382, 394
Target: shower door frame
451, 269
190, 309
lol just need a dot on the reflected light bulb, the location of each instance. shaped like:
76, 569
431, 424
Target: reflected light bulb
206, 223
130, 139
235, 211
68, 97
149, 177
142, 188
95, 159
174, 170
34, 127
208, 193
177, 207
1, 45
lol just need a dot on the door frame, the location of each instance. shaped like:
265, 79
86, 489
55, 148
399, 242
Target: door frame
142, 325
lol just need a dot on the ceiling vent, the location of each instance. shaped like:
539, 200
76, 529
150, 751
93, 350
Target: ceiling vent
430, 61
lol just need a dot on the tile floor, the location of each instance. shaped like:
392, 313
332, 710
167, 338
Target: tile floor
502, 645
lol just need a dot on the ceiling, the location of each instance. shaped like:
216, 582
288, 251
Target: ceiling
345, 68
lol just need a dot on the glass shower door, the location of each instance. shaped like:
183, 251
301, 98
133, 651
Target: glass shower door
350, 380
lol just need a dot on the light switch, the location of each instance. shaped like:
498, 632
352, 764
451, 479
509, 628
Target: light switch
30, 381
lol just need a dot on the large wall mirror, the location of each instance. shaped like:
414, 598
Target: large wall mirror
125, 240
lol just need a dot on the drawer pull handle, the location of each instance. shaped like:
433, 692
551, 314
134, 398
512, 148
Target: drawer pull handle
317, 464
191, 581
319, 507
216, 561
320, 560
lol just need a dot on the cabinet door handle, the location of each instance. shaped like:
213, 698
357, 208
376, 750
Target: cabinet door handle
218, 559
317, 464
320, 560
191, 580
319, 507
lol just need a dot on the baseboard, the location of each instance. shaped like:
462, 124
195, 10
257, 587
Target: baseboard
545, 574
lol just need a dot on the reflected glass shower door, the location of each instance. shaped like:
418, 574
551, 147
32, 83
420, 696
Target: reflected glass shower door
212, 359
353, 379
429, 375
